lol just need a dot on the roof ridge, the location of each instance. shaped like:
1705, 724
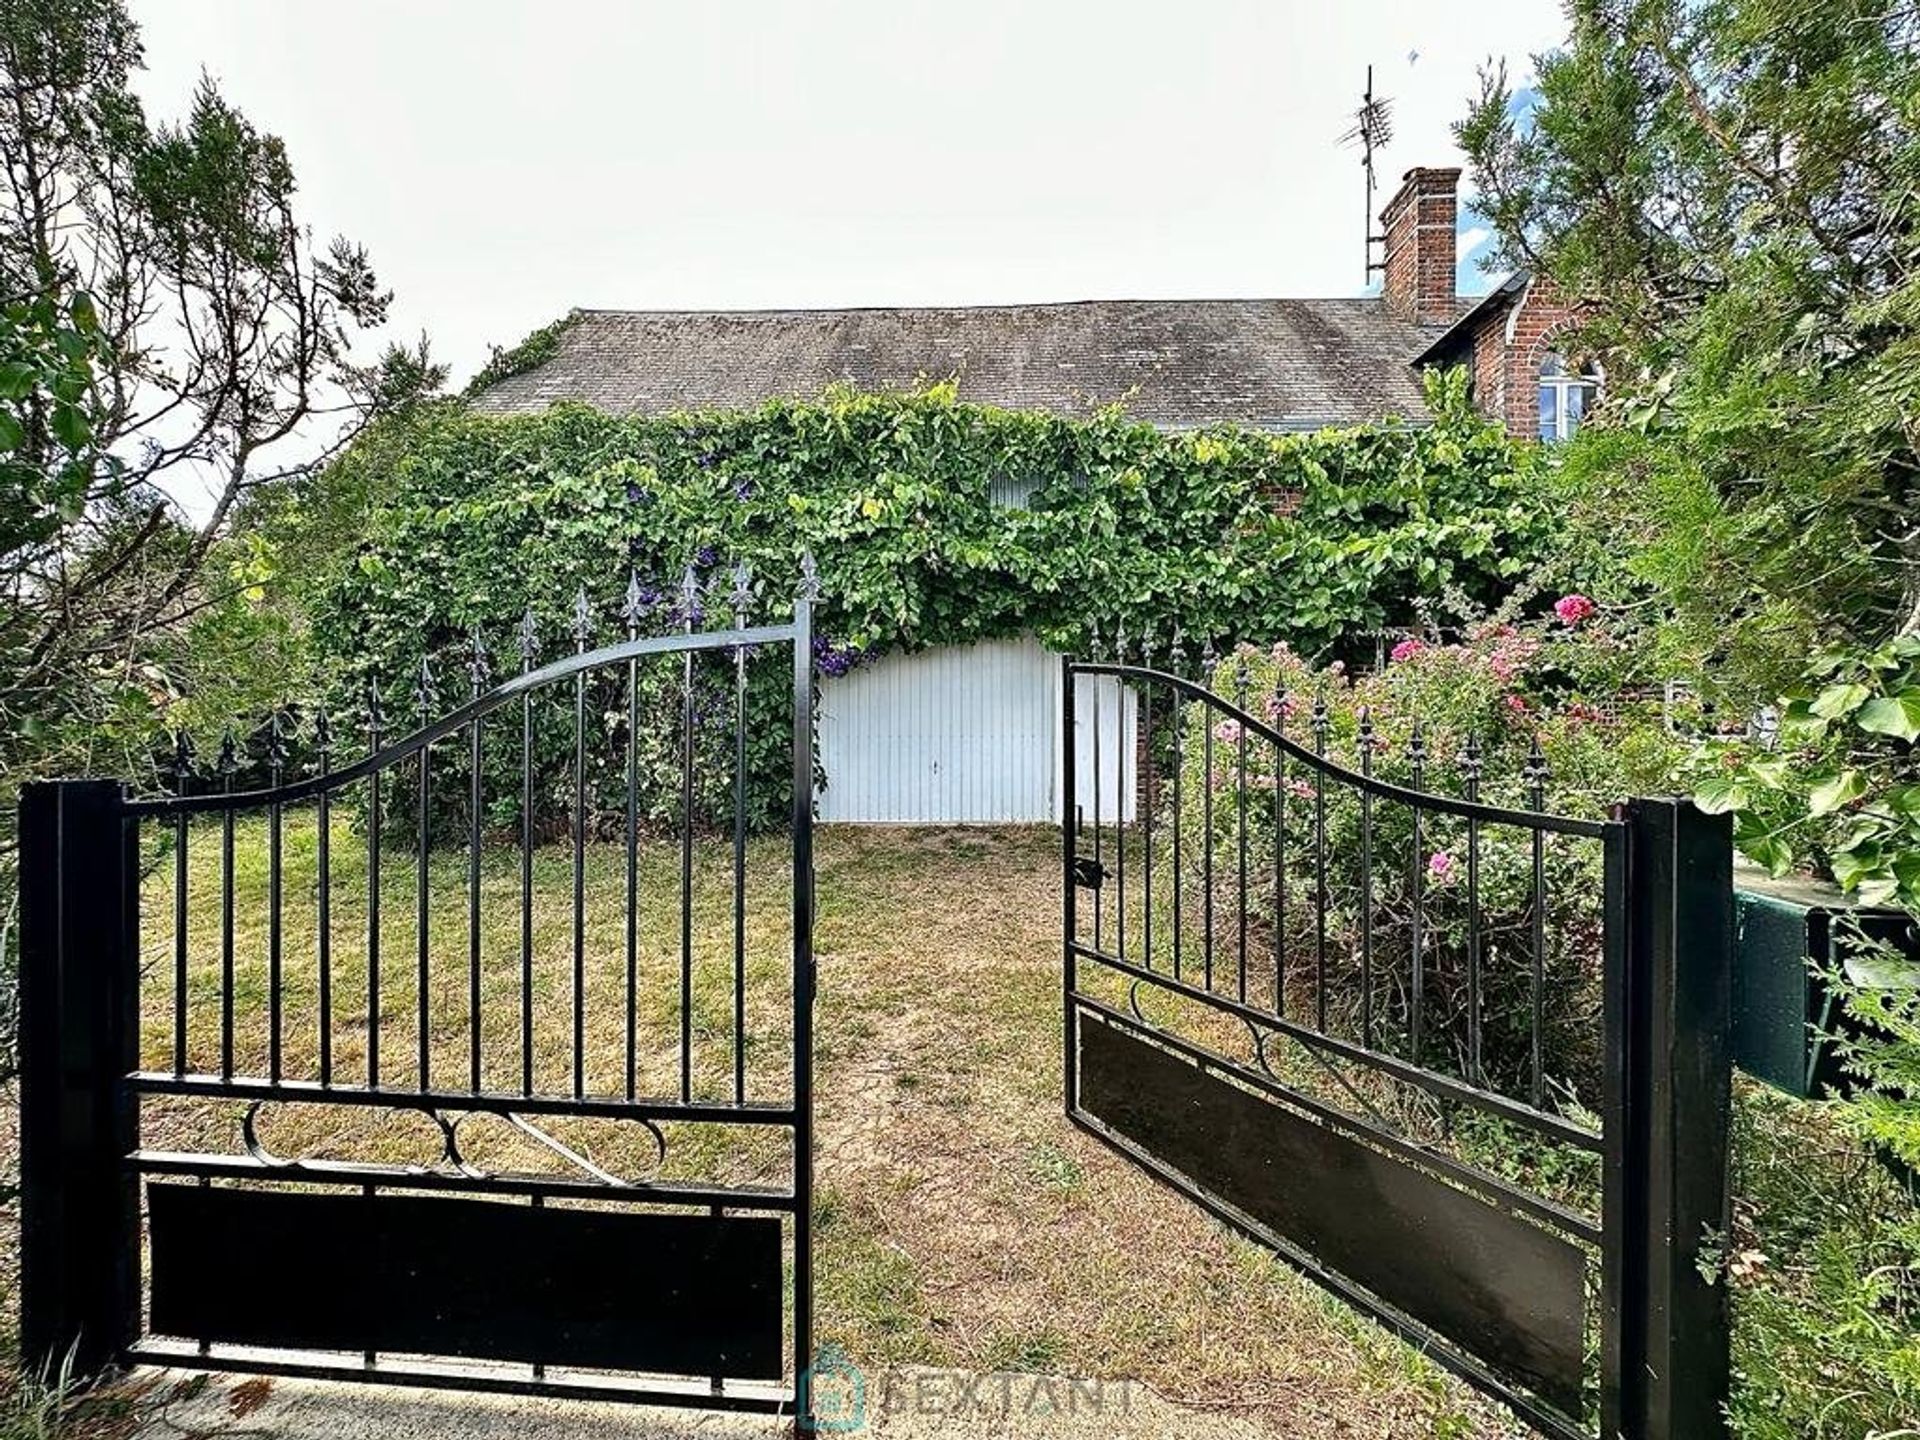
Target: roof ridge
1373, 299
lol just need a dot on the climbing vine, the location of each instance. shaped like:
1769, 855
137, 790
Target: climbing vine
932, 522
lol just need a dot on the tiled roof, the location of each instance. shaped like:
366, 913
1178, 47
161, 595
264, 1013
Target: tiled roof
1278, 364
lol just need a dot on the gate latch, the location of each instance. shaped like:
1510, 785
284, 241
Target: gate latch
1088, 873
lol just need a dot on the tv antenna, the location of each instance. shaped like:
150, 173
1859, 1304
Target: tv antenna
1372, 128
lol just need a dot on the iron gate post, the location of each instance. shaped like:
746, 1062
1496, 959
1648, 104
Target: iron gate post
1069, 899
1674, 1311
79, 1035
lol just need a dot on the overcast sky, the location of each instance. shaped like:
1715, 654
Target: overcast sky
506, 160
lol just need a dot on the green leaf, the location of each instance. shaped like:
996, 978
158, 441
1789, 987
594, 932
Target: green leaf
1720, 796
72, 426
1838, 700
1896, 715
12, 436
16, 379
1836, 790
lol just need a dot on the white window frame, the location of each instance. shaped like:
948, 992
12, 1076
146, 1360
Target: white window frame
1563, 381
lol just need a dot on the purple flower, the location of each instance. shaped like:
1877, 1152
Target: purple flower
704, 557
743, 491
636, 495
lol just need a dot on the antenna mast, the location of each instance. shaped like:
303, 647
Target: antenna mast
1372, 128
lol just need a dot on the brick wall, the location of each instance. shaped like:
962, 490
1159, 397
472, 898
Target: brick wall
1508, 349
1421, 247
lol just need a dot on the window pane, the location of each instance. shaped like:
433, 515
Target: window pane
1551, 367
1576, 406
1549, 412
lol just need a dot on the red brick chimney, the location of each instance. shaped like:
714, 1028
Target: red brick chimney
1418, 224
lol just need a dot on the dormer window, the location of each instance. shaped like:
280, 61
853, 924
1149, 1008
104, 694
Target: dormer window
1567, 393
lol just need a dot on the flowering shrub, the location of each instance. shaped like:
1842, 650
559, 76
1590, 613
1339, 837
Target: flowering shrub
1519, 715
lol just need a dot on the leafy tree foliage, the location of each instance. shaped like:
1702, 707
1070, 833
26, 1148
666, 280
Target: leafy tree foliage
168, 327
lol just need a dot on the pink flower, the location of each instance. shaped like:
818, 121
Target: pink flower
1440, 866
1227, 731
1300, 788
1406, 650
1281, 707
1572, 609
1515, 704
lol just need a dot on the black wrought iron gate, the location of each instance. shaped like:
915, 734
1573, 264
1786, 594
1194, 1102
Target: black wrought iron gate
1460, 1060
579, 1164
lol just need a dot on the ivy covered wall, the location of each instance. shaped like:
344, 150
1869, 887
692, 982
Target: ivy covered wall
467, 520
1229, 534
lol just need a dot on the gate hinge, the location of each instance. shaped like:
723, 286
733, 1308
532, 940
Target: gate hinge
1088, 873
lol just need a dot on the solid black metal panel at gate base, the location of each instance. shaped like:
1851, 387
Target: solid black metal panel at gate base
1502, 1287
672, 1294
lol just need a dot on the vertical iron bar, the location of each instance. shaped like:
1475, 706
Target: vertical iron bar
1366, 880
633, 611
1536, 777
1470, 766
276, 769
227, 763
528, 648
1417, 763
1320, 723
1280, 853
582, 631
373, 891
1099, 781
689, 605
323, 746
1120, 795
1148, 779
477, 675
742, 598
1069, 890
1240, 805
1177, 658
1209, 663
183, 777
422, 918
803, 974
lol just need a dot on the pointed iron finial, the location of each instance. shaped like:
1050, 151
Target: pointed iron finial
1093, 640
376, 716
229, 759
322, 733
181, 764
1322, 718
1120, 641
1209, 661
690, 609
742, 596
1146, 644
1417, 753
1240, 679
479, 668
809, 577
276, 743
633, 608
1177, 652
1365, 730
582, 618
1470, 765
529, 640
1536, 773
424, 687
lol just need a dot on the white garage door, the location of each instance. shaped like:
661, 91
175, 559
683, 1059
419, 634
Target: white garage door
960, 735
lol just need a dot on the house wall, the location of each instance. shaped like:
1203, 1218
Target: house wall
1508, 349
966, 734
